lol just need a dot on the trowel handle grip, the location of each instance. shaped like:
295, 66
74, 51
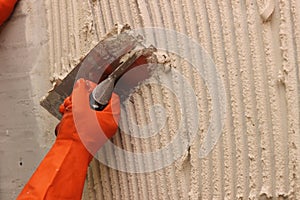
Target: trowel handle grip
101, 94
95, 105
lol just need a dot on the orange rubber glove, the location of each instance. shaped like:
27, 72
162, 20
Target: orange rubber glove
81, 132
6, 7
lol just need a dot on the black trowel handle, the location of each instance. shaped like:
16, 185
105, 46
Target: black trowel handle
95, 105
101, 94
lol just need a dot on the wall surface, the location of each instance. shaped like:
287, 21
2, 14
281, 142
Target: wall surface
255, 46
26, 129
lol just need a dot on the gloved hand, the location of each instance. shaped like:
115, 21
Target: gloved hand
6, 7
81, 132
92, 127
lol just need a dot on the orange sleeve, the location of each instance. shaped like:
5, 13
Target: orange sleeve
6, 7
62, 172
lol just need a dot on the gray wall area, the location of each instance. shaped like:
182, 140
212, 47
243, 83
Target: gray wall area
26, 129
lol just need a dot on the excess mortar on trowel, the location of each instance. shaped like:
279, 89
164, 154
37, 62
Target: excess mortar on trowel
119, 46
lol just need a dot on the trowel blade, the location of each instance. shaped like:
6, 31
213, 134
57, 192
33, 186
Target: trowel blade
98, 64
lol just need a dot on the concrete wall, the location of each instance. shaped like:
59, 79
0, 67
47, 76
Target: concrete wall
26, 129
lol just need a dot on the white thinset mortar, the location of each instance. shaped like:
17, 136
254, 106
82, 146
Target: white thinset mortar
256, 48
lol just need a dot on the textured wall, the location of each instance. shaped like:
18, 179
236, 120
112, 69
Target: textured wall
256, 48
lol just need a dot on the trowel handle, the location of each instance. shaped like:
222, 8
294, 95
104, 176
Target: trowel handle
95, 105
101, 94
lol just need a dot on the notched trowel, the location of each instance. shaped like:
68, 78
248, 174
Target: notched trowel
119, 52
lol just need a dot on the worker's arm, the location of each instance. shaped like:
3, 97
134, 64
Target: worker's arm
81, 132
6, 7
